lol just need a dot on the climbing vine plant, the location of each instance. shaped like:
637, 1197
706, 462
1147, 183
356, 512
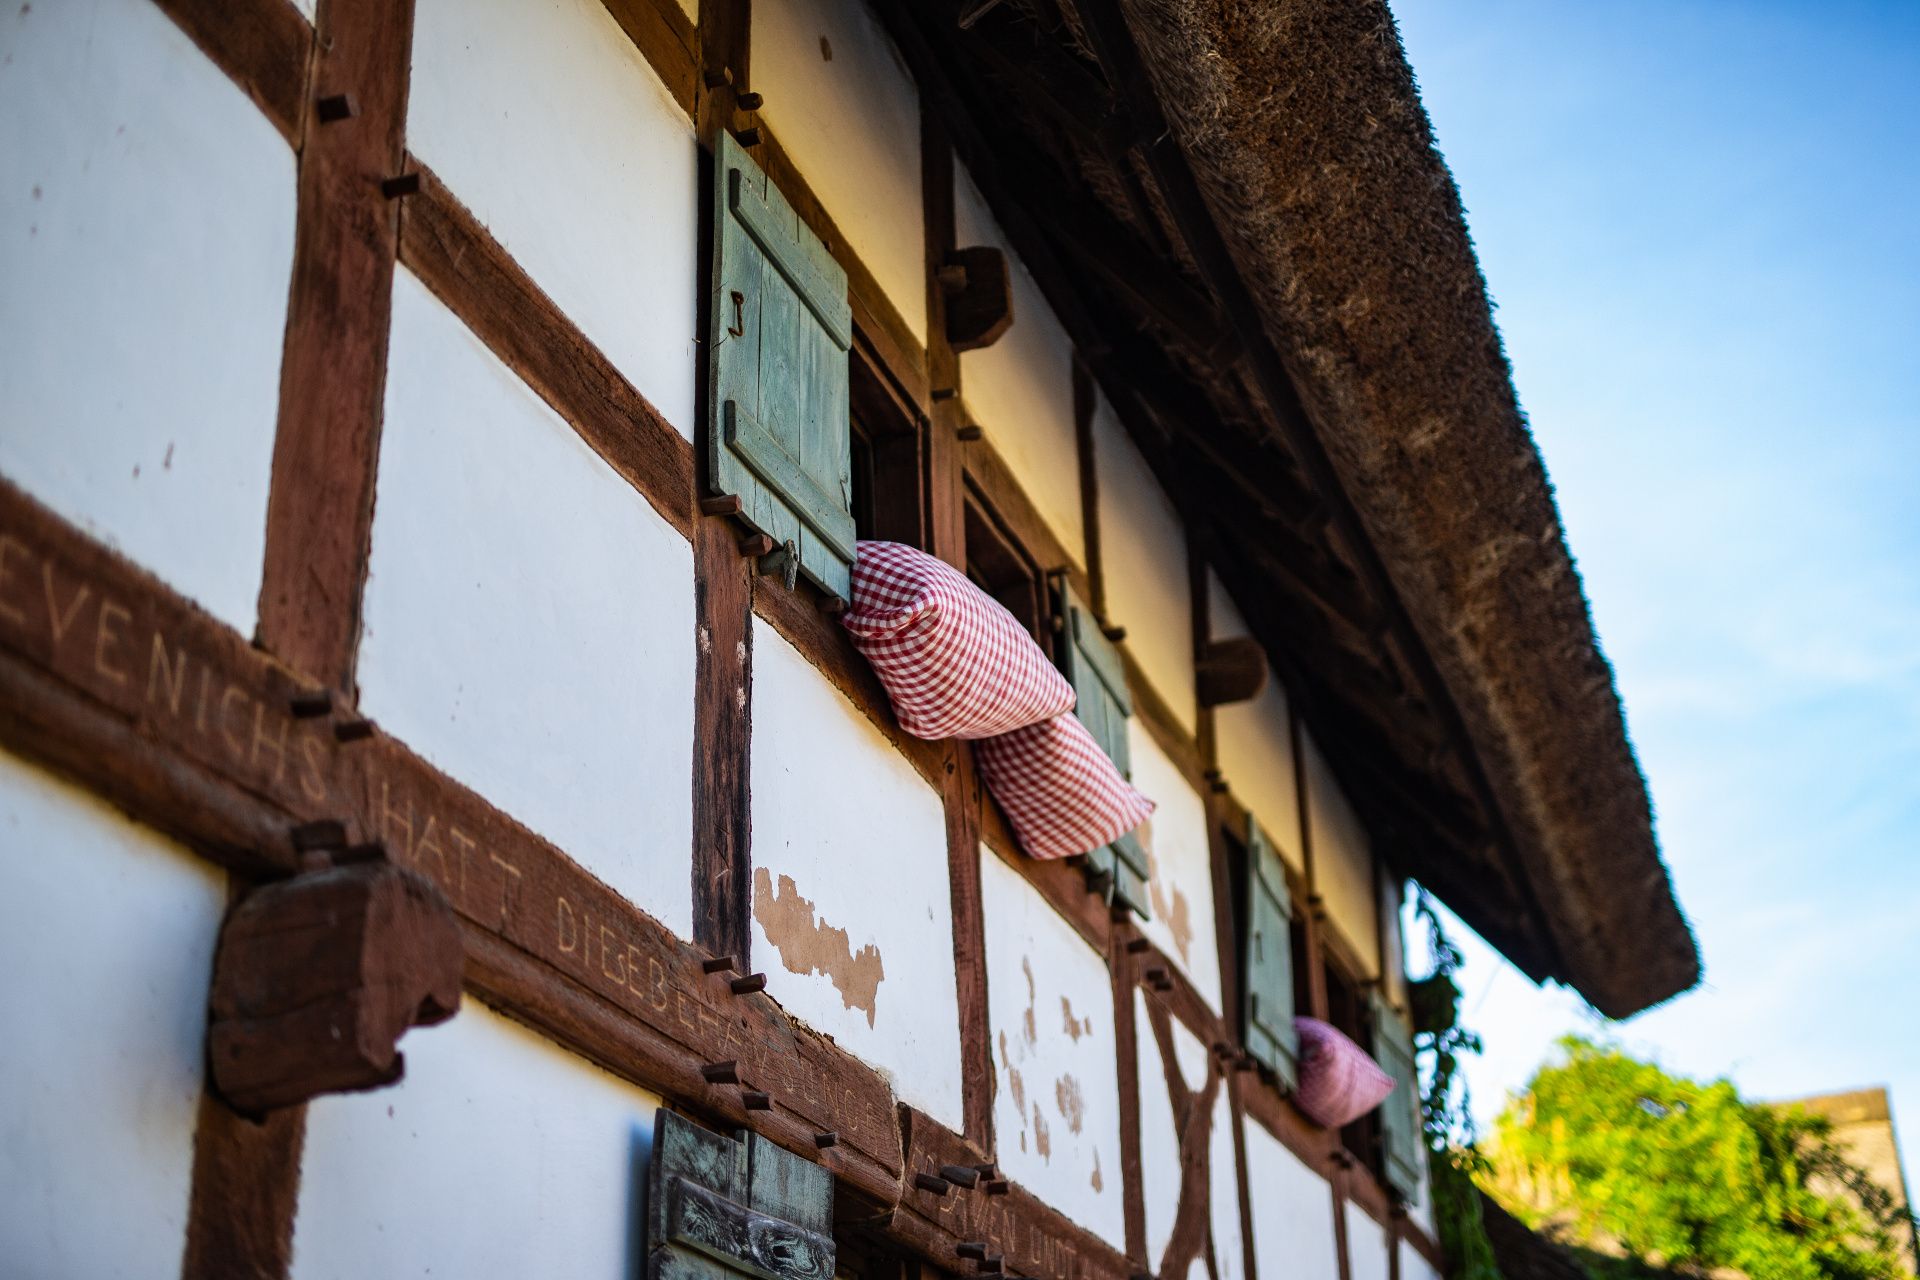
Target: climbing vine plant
1453, 1153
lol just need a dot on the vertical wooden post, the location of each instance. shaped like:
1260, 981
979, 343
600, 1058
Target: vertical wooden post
1085, 397
246, 1174
961, 790
1316, 959
723, 587
1133, 1195
333, 370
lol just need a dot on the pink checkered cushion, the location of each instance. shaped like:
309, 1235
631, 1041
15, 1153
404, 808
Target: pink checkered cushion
1058, 788
1339, 1083
955, 663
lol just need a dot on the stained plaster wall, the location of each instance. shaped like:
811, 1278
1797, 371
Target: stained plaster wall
1056, 1103
1180, 866
1223, 1184
1342, 860
1159, 1128
852, 914
146, 243
529, 618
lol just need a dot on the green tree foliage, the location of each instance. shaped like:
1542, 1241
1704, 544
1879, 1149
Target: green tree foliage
1628, 1160
1453, 1157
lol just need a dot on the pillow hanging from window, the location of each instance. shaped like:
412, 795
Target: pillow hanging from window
1060, 791
1339, 1083
954, 661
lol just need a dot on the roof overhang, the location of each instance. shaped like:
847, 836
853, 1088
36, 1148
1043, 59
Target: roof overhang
1238, 212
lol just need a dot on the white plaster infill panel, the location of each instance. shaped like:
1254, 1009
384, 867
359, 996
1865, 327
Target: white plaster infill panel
500, 1154
1368, 1246
1292, 1213
107, 931
1160, 1173
1056, 1102
544, 119
1254, 743
1179, 866
529, 617
1342, 860
843, 106
1020, 389
1223, 1185
1414, 1264
1143, 554
146, 244
852, 907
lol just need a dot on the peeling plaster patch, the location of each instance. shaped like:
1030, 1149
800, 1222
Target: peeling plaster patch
1017, 1087
1033, 1033
1169, 904
1076, 1027
807, 945
1073, 1108
1042, 1141
1099, 1183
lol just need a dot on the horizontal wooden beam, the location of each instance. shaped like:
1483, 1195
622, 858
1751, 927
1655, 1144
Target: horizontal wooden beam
82, 629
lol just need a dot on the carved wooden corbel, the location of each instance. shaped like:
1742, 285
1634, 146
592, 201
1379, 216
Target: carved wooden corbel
1233, 670
979, 297
317, 977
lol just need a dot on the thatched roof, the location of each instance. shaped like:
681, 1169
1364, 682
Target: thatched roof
1300, 339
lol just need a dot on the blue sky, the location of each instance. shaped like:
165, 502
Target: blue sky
1700, 223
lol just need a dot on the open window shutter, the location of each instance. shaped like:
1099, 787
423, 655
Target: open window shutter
778, 402
1270, 1036
720, 1208
1400, 1129
1103, 704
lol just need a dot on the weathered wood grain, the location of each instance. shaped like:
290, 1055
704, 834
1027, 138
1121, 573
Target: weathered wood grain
77, 618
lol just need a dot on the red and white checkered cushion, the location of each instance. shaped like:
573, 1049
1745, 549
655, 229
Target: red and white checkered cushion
1058, 788
1339, 1083
955, 663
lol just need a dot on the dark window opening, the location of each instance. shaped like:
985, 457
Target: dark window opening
884, 450
1000, 566
1348, 1012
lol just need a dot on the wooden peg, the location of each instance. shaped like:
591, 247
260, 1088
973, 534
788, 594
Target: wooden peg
749, 136
1137, 945
317, 977
326, 833
403, 184
942, 393
998, 1187
1156, 975
336, 107
1115, 634
835, 605
727, 504
951, 278
969, 433
992, 1264
960, 1175
755, 1100
749, 102
1232, 670
826, 1138
315, 702
981, 308
927, 1182
975, 1249
714, 79
749, 984
756, 545
352, 730
718, 964
721, 1072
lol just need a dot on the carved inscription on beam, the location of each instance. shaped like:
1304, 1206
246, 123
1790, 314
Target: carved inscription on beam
1030, 1238
77, 619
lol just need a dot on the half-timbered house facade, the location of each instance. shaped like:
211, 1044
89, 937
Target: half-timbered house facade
436, 439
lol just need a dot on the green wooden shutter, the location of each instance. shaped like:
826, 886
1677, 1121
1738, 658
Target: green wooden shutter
777, 429
1270, 1035
1400, 1128
1103, 704
719, 1208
